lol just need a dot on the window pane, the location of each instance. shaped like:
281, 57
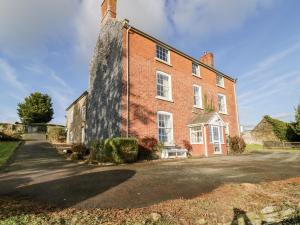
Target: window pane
164, 128
197, 96
220, 80
195, 68
221, 103
162, 53
196, 135
162, 85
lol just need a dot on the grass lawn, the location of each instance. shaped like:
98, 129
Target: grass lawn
6, 150
253, 147
257, 147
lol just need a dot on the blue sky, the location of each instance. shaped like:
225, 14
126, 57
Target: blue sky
47, 45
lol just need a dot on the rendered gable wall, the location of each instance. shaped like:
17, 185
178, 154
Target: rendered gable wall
105, 87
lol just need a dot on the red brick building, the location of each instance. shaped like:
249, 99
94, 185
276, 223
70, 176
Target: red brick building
142, 87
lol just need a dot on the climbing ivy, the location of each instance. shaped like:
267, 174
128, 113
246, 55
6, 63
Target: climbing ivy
279, 127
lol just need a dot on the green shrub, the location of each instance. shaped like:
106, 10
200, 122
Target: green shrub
97, 151
5, 137
148, 148
237, 144
75, 156
56, 134
123, 149
80, 149
115, 150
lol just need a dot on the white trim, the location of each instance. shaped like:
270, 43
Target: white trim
171, 122
198, 74
205, 140
170, 99
200, 96
161, 60
225, 102
164, 99
223, 81
127, 81
237, 111
191, 139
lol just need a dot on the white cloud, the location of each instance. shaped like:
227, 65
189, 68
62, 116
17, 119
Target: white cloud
9, 77
87, 23
267, 63
26, 26
200, 18
283, 116
150, 16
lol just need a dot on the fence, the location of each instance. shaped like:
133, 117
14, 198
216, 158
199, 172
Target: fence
281, 145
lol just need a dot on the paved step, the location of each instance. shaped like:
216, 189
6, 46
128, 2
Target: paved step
34, 137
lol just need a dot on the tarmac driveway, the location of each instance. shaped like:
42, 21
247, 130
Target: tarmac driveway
40, 174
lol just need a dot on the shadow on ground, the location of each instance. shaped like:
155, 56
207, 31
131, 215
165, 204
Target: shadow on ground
69, 191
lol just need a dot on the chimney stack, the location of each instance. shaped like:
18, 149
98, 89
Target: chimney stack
108, 9
208, 59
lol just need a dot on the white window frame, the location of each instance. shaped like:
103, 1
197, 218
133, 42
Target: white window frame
171, 142
197, 74
225, 103
169, 98
168, 55
200, 106
192, 132
222, 84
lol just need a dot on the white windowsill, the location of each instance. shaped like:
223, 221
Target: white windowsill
196, 75
162, 61
197, 143
224, 113
218, 153
164, 99
220, 86
198, 107
169, 145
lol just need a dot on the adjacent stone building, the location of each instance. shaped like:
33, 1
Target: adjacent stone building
141, 87
76, 117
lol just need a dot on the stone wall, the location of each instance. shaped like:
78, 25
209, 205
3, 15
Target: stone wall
76, 117
105, 85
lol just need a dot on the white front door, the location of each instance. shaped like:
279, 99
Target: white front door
216, 139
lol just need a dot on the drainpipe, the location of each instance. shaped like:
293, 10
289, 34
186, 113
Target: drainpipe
127, 81
236, 108
205, 140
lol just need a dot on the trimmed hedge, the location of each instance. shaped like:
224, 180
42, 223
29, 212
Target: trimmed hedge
5, 137
56, 134
115, 150
80, 150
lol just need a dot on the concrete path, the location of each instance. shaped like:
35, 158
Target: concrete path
40, 174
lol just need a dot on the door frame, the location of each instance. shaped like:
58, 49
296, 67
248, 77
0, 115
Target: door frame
219, 141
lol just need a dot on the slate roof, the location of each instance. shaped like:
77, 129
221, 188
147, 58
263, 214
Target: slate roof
201, 118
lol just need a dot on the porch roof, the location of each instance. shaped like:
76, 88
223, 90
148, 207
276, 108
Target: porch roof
205, 118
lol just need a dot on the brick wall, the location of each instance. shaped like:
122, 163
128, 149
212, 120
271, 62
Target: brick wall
143, 104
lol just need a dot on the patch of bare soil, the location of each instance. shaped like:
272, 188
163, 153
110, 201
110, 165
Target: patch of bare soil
215, 207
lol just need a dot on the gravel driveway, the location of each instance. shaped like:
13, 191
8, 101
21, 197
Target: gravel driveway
40, 174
